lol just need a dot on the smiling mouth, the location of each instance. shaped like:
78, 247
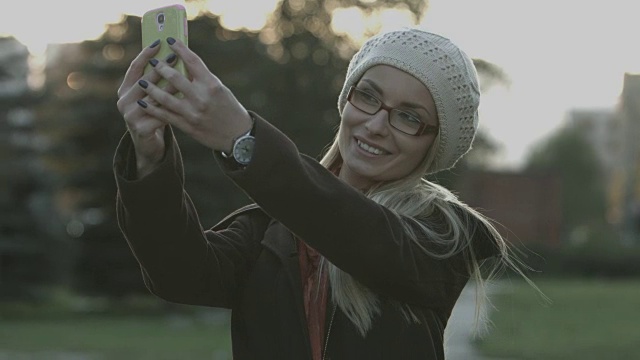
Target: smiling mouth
370, 149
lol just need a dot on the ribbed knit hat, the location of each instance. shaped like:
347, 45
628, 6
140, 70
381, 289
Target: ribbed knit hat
443, 68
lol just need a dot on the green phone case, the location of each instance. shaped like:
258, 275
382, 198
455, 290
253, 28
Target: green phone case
161, 23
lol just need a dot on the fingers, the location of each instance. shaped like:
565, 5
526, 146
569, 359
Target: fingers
161, 95
136, 69
164, 114
130, 92
205, 110
170, 89
139, 122
173, 77
161, 102
194, 64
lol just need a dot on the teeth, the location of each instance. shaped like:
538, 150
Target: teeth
369, 149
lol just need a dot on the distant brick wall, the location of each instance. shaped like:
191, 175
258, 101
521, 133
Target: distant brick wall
527, 205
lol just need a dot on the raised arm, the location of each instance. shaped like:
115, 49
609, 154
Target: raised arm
180, 262
358, 235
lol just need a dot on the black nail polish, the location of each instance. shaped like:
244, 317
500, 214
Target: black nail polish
155, 43
153, 62
143, 83
142, 103
171, 40
171, 58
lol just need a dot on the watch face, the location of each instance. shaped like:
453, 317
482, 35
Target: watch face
243, 149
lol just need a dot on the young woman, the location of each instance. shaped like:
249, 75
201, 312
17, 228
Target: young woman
355, 257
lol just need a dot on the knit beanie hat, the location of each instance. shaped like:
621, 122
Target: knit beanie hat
443, 68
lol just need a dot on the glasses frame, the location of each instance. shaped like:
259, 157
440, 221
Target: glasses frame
424, 127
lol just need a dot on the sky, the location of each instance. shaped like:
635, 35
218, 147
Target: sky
559, 55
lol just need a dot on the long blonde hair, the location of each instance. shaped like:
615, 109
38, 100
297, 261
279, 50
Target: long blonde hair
413, 197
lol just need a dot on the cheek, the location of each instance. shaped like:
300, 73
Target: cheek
343, 136
352, 117
347, 122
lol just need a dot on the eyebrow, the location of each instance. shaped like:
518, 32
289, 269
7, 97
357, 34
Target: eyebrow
404, 103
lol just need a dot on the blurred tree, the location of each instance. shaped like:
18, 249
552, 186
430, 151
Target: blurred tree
569, 154
490, 75
77, 117
24, 264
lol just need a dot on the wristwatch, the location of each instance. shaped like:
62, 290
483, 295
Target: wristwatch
243, 146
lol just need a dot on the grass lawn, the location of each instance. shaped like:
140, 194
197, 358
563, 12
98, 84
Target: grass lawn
587, 319
109, 338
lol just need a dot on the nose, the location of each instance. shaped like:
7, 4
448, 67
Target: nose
378, 123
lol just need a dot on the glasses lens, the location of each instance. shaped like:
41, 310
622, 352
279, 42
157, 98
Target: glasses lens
365, 102
405, 122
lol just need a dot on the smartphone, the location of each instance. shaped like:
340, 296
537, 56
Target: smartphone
161, 23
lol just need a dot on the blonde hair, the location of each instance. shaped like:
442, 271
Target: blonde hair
414, 198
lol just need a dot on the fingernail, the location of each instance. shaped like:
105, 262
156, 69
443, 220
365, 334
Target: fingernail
142, 103
171, 40
171, 58
153, 62
143, 83
155, 43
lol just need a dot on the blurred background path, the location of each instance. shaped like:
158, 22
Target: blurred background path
459, 331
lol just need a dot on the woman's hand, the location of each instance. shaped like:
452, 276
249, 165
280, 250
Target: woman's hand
208, 111
147, 131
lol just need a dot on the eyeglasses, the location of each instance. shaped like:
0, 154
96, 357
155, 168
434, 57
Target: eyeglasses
398, 119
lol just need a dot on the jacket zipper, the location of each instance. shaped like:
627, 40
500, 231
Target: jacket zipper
326, 341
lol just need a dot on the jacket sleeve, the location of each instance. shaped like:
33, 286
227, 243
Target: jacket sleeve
356, 234
181, 262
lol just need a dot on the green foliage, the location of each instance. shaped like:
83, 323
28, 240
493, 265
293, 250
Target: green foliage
490, 74
568, 154
602, 258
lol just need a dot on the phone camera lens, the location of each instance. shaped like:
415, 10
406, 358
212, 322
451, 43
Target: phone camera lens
161, 18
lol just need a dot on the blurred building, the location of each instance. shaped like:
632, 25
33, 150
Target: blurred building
526, 206
626, 186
